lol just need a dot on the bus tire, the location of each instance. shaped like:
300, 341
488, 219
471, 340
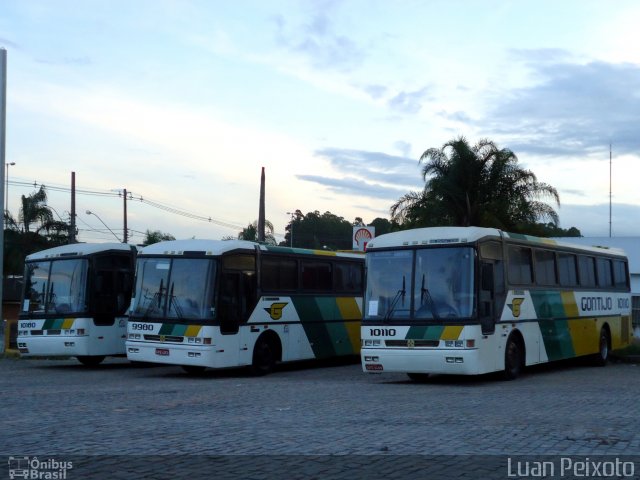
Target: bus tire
193, 369
90, 360
513, 358
418, 377
264, 356
601, 358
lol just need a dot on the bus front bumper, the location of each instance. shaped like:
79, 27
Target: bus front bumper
436, 361
171, 354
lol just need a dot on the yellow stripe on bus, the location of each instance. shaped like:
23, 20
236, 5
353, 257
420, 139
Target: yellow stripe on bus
451, 332
67, 323
192, 330
349, 310
584, 335
570, 305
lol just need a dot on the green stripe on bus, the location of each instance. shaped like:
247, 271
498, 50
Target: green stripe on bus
166, 329
312, 321
548, 304
557, 339
53, 324
432, 332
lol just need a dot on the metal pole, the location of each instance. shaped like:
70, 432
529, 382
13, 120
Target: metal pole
3, 130
124, 236
610, 194
261, 235
72, 223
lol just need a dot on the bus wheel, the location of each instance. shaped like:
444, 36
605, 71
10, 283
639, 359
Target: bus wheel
418, 377
91, 361
264, 357
602, 357
193, 369
513, 359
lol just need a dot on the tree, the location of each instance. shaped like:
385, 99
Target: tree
155, 236
34, 209
250, 233
319, 231
21, 239
478, 185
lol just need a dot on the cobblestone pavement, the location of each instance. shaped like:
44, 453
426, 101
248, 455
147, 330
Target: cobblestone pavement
138, 418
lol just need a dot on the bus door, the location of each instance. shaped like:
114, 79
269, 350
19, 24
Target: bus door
112, 286
237, 298
492, 292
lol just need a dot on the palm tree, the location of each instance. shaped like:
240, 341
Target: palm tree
250, 232
34, 209
478, 185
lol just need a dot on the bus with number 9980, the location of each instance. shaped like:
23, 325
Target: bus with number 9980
220, 304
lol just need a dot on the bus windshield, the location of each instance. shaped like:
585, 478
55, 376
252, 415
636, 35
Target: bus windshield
174, 288
56, 287
421, 284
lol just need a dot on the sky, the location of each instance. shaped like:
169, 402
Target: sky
182, 102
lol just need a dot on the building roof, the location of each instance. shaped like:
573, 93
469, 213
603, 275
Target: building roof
630, 245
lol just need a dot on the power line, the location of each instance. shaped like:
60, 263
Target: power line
131, 196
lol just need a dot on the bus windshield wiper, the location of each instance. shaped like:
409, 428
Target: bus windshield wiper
400, 294
425, 294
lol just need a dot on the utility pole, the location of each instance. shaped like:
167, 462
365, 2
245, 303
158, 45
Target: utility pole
72, 222
3, 129
610, 194
261, 210
124, 236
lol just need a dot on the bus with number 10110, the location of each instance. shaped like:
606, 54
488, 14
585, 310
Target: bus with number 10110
74, 302
230, 303
456, 300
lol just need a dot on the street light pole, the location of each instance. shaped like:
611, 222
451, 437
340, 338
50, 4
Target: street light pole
293, 215
89, 212
6, 188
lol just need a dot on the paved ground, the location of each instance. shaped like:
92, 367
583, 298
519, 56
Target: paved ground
156, 421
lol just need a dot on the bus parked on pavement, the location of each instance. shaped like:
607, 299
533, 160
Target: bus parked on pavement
456, 300
75, 299
218, 304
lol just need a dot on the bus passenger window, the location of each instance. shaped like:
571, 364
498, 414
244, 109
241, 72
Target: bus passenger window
520, 265
619, 274
567, 270
605, 278
587, 271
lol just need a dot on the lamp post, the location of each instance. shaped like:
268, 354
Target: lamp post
293, 216
89, 212
6, 188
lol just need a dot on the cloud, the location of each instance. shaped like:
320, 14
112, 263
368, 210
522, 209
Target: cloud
370, 174
573, 110
5, 42
409, 102
354, 186
374, 166
318, 41
69, 61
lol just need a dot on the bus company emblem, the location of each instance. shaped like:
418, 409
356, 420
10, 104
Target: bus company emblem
411, 343
162, 338
515, 306
275, 310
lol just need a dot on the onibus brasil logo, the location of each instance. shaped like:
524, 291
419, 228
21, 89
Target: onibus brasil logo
35, 468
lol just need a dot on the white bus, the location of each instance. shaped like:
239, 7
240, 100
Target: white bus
218, 304
455, 300
75, 299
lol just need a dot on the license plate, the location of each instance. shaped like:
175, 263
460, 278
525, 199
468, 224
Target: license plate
162, 351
